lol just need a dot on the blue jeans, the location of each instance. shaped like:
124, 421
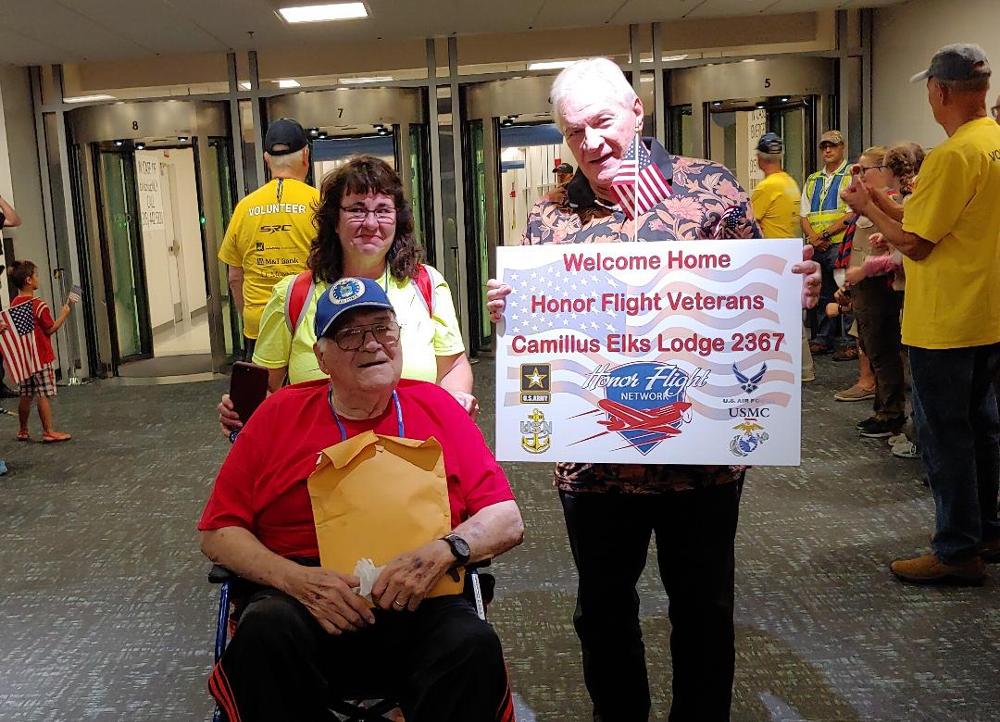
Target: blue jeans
827, 328
956, 417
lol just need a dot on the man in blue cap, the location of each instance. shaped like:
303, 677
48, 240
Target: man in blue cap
304, 632
949, 236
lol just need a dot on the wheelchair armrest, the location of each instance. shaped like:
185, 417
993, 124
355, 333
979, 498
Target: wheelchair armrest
219, 574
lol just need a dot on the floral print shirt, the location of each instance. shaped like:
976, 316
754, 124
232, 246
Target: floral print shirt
707, 202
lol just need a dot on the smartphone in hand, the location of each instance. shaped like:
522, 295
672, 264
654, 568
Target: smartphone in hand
247, 388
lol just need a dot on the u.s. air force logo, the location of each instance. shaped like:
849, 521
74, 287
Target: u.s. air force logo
346, 290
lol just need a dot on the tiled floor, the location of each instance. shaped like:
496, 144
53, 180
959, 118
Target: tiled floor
105, 614
188, 337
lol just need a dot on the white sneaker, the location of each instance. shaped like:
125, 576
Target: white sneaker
906, 450
897, 439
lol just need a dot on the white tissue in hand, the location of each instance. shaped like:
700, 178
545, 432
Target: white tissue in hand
366, 571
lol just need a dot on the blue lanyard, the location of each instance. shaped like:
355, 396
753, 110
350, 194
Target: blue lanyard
340, 424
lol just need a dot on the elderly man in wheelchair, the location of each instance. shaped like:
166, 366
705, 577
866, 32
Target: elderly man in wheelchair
351, 507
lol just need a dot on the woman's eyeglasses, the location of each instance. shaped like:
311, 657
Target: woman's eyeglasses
352, 339
359, 214
871, 167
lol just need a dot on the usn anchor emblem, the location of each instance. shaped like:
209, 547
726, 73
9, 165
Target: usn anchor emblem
536, 433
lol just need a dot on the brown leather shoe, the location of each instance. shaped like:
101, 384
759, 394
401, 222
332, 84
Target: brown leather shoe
989, 551
928, 569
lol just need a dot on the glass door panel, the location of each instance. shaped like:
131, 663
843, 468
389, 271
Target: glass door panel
219, 165
328, 154
681, 139
476, 216
528, 155
420, 189
123, 249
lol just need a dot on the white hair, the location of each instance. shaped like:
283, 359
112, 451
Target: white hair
286, 162
771, 157
589, 72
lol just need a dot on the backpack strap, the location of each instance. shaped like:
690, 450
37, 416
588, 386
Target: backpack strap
425, 284
299, 294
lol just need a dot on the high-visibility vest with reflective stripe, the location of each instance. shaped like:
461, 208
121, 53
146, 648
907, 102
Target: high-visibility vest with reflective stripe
825, 208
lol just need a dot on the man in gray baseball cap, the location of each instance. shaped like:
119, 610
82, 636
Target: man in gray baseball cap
949, 235
960, 62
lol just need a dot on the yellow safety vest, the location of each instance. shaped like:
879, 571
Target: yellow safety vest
825, 205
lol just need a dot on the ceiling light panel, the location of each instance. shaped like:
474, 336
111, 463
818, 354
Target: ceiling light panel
550, 64
88, 98
323, 13
371, 79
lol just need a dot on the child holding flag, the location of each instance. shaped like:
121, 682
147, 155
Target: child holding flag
25, 331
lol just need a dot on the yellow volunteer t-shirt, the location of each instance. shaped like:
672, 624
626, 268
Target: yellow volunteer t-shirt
423, 338
953, 296
269, 238
775, 203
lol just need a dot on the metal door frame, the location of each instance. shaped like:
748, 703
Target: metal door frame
759, 80
356, 111
126, 157
488, 102
151, 122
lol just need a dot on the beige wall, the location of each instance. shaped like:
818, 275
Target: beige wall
904, 39
20, 181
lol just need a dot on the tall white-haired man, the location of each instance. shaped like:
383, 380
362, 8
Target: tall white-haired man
612, 510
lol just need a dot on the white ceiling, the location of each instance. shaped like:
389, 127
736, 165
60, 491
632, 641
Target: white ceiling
54, 31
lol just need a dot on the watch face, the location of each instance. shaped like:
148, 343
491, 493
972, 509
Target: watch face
460, 546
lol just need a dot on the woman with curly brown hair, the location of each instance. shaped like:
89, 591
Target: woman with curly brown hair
365, 229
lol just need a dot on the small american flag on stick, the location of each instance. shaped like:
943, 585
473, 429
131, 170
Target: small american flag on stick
17, 341
639, 184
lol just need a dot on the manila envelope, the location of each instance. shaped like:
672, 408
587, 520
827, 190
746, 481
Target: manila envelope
377, 496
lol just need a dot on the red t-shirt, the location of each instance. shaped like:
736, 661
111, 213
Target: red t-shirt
43, 323
262, 483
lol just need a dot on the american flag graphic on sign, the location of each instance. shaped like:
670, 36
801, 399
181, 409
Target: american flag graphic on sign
639, 184
754, 276
17, 342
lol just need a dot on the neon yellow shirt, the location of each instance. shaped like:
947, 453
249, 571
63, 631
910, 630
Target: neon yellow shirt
953, 296
775, 203
269, 238
423, 338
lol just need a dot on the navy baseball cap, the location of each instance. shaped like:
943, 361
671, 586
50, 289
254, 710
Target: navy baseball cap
770, 143
345, 295
286, 132
960, 61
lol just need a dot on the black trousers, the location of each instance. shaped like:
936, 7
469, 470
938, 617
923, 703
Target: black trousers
876, 308
695, 531
442, 663
248, 347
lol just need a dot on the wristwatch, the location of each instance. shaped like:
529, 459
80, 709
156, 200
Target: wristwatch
825, 235
459, 547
